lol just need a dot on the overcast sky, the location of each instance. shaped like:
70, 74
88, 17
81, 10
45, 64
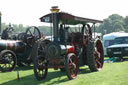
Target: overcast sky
28, 12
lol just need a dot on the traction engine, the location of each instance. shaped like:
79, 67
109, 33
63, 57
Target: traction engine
67, 51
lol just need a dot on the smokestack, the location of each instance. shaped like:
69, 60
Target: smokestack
55, 20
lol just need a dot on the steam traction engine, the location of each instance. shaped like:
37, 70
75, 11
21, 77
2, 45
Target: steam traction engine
67, 50
18, 52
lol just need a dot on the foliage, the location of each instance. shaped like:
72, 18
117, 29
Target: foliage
21, 28
126, 23
45, 30
17, 28
114, 23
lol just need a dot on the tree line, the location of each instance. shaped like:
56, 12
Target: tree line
114, 23
18, 28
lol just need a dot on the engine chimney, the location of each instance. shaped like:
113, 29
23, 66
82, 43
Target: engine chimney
55, 21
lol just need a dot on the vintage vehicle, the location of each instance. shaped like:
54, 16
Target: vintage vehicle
108, 40
18, 52
67, 50
8, 33
119, 48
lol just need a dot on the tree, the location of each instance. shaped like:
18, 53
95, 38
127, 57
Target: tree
126, 23
118, 27
114, 23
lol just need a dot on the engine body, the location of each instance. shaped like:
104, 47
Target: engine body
55, 50
16, 46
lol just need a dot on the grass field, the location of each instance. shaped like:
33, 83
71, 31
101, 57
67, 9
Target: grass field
111, 74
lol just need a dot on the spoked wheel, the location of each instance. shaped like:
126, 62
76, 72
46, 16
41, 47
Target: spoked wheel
8, 61
40, 61
99, 55
95, 55
40, 68
71, 66
32, 34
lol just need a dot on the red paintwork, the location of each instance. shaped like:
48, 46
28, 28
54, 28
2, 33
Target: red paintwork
99, 59
73, 66
70, 49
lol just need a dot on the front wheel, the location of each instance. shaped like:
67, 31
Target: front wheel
71, 66
40, 60
40, 68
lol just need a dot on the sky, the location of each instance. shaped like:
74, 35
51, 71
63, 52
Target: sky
28, 12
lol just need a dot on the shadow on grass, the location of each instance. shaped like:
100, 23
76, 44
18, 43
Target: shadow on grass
84, 71
31, 80
23, 68
49, 80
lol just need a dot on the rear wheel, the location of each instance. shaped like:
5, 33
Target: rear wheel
95, 55
71, 66
8, 61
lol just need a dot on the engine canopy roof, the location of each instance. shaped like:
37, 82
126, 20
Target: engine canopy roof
66, 18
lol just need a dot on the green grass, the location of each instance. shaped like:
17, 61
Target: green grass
112, 74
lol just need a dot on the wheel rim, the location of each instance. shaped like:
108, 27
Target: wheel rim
99, 55
40, 69
9, 62
72, 67
40, 65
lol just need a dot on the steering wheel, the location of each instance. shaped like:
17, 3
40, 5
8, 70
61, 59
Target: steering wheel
31, 35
